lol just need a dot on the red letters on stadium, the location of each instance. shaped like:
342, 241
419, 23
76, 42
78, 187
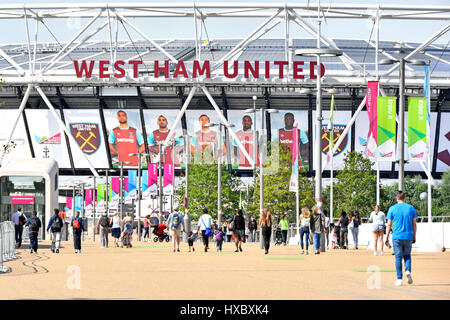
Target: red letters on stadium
251, 69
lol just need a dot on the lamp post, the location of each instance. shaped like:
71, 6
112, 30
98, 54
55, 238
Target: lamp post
401, 114
219, 169
139, 190
262, 111
318, 52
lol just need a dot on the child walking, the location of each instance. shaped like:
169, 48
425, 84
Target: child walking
219, 239
191, 240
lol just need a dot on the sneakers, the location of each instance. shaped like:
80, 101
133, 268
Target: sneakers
408, 275
381, 253
240, 248
237, 250
303, 252
52, 250
178, 250
57, 250
31, 251
307, 252
375, 253
398, 282
193, 249
206, 249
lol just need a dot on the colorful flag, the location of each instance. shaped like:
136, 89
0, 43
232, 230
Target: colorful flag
386, 128
100, 193
426, 90
293, 184
144, 184
153, 178
88, 197
68, 209
417, 128
371, 105
168, 179
331, 147
132, 183
78, 203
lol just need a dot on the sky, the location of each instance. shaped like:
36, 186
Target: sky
406, 30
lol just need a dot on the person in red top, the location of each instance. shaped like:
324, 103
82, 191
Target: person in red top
205, 139
159, 136
246, 138
124, 140
285, 137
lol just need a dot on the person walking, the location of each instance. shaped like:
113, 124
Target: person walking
238, 230
33, 224
343, 225
55, 223
229, 233
402, 219
327, 227
127, 233
205, 226
78, 227
19, 220
265, 223
115, 230
317, 226
378, 218
174, 223
103, 226
305, 219
355, 222
284, 225
252, 227
147, 228
219, 239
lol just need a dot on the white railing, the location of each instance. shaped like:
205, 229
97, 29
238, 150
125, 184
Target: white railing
7, 244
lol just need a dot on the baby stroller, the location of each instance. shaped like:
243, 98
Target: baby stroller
336, 236
160, 234
278, 236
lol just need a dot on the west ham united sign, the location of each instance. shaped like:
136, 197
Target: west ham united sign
87, 136
337, 132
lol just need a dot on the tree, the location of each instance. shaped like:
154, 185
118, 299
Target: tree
202, 190
356, 186
277, 196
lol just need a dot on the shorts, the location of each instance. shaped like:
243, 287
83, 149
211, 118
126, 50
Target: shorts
190, 243
378, 228
115, 232
238, 233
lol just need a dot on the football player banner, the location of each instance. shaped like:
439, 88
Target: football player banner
417, 128
386, 128
168, 179
371, 104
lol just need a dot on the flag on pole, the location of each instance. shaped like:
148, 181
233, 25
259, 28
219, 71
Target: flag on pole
293, 184
132, 183
330, 143
168, 179
386, 128
417, 128
371, 105
427, 94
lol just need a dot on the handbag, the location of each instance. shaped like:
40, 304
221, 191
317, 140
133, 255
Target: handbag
231, 226
208, 231
351, 225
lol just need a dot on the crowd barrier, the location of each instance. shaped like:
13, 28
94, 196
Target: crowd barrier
7, 244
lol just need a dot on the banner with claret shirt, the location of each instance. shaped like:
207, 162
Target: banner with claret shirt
168, 179
386, 128
371, 105
417, 128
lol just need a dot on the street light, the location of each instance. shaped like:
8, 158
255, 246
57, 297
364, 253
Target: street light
219, 169
318, 53
401, 114
261, 160
139, 191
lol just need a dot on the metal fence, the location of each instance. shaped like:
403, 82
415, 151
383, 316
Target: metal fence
7, 244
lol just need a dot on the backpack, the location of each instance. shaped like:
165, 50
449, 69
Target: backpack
76, 224
104, 221
175, 221
57, 222
34, 222
22, 220
219, 236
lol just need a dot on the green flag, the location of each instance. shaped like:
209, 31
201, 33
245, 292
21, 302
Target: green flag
417, 128
100, 192
386, 128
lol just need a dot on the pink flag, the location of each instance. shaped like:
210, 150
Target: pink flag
69, 202
88, 196
125, 183
153, 178
168, 179
371, 105
115, 184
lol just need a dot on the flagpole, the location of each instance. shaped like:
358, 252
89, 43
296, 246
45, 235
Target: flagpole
331, 147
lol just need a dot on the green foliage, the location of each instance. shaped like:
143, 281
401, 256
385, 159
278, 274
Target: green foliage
277, 196
355, 189
203, 191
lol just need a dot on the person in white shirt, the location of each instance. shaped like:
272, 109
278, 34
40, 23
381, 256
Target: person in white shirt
379, 219
205, 225
19, 220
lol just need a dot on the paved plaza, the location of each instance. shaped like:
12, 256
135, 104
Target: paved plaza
153, 271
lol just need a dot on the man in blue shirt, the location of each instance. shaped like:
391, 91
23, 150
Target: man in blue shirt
402, 218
